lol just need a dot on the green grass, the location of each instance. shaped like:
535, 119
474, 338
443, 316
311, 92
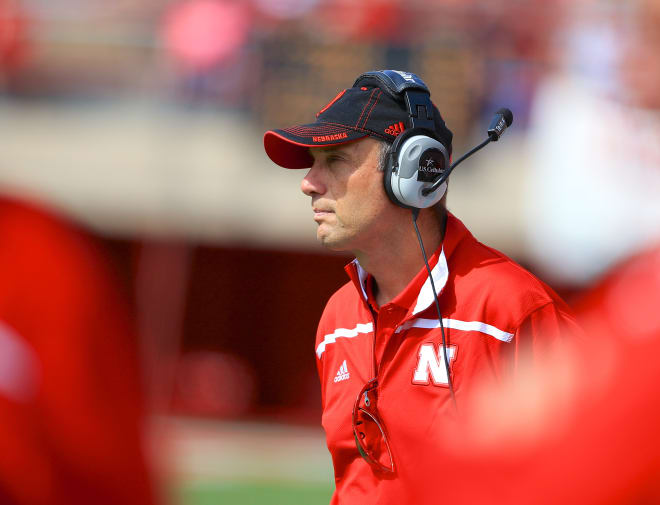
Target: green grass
224, 463
254, 493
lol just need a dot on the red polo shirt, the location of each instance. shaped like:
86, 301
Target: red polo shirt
491, 308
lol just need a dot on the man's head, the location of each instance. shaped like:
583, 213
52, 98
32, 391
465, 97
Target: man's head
347, 151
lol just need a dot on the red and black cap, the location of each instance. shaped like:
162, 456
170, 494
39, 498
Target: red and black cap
357, 112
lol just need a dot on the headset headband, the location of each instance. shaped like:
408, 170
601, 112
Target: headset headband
415, 92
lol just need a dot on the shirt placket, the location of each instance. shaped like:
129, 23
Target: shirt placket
389, 318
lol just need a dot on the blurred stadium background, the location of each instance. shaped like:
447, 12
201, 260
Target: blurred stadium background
142, 120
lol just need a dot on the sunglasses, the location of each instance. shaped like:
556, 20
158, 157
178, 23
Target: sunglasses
369, 430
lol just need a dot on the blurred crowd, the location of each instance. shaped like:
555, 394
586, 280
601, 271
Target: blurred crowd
583, 81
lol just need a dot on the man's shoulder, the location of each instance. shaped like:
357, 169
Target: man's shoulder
343, 299
472, 263
481, 269
345, 313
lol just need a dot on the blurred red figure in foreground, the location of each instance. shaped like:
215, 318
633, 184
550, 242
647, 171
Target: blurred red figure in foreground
580, 425
70, 404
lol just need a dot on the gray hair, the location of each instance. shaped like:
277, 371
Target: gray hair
382, 156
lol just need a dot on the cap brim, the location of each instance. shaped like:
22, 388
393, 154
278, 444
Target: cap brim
289, 148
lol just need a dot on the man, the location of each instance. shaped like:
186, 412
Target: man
389, 368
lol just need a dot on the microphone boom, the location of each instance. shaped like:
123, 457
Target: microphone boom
500, 122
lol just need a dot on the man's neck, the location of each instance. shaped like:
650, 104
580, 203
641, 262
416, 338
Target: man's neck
395, 264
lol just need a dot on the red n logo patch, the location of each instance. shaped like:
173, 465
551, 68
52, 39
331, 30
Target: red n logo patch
431, 362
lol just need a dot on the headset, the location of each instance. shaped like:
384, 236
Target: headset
416, 158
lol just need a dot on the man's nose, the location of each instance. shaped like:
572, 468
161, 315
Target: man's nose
312, 184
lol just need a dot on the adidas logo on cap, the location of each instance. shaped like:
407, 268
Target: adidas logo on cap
395, 129
342, 373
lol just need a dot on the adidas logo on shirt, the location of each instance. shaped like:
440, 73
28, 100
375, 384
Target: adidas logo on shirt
342, 373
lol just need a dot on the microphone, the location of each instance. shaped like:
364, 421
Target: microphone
500, 122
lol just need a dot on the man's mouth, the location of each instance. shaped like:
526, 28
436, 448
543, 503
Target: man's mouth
320, 213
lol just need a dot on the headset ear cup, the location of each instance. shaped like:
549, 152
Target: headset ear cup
414, 161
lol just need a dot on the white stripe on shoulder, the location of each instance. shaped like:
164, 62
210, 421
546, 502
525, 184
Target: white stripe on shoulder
457, 324
344, 333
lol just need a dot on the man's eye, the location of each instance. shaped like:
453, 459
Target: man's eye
333, 159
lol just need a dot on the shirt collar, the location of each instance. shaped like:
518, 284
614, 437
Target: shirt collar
439, 274
418, 295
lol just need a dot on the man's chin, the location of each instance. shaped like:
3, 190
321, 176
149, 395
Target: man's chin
333, 243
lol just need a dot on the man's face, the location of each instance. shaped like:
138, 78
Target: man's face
348, 198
